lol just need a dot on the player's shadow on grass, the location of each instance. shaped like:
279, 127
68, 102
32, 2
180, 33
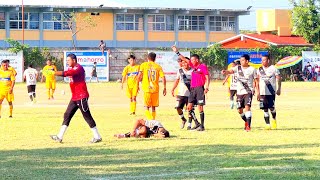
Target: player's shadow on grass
161, 162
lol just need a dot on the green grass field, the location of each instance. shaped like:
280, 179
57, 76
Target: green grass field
223, 151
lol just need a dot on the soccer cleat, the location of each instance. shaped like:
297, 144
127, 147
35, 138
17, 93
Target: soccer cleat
273, 124
189, 128
183, 123
10, 116
52, 97
196, 126
268, 127
133, 113
200, 128
94, 140
245, 125
56, 138
248, 128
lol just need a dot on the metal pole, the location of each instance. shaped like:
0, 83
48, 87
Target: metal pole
22, 22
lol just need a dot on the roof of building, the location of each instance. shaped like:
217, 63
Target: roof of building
136, 4
272, 39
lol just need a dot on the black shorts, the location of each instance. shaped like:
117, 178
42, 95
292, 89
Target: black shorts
181, 102
244, 100
232, 94
94, 74
197, 96
267, 101
31, 88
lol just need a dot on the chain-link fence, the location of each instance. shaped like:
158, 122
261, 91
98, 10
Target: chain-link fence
118, 59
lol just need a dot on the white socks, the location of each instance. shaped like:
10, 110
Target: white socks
62, 131
96, 134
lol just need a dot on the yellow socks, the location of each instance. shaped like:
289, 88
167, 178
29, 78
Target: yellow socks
52, 91
49, 95
134, 105
153, 115
148, 114
11, 108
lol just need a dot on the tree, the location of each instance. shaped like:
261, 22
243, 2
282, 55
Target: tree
306, 19
76, 22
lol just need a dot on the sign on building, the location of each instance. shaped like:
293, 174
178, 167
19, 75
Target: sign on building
16, 61
168, 61
87, 58
255, 56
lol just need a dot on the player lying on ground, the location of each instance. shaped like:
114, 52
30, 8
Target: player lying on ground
146, 128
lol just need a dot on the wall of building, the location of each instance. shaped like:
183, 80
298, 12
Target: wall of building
272, 19
106, 30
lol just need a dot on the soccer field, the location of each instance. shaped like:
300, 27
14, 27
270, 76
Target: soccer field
223, 151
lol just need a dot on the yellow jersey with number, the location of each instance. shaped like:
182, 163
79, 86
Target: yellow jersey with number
48, 72
131, 72
151, 73
6, 79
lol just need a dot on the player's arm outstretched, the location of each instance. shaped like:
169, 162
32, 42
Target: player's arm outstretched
176, 50
227, 72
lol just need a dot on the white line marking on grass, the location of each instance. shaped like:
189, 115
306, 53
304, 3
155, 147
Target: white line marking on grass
215, 170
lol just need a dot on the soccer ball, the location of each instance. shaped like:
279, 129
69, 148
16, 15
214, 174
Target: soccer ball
63, 93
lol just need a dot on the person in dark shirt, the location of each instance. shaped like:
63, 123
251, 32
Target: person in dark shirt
79, 99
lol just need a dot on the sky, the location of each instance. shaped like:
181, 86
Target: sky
249, 22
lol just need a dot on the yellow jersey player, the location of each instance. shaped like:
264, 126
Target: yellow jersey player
7, 81
48, 72
10, 68
130, 73
150, 72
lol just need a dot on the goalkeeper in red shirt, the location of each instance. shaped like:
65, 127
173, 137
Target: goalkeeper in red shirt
79, 99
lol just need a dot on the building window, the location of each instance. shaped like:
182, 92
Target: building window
2, 21
129, 22
222, 23
160, 22
31, 20
191, 23
56, 21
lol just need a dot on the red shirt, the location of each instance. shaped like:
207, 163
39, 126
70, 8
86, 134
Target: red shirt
78, 84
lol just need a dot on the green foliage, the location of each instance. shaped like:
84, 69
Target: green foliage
306, 19
278, 53
212, 56
34, 56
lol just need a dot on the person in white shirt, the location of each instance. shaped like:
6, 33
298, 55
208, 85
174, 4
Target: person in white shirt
270, 86
146, 128
183, 80
246, 85
30, 75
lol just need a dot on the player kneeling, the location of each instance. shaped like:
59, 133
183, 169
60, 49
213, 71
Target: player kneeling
146, 128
